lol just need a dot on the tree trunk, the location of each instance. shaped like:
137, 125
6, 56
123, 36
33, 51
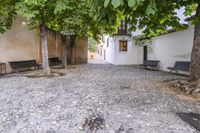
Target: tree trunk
44, 50
195, 57
64, 51
73, 49
73, 56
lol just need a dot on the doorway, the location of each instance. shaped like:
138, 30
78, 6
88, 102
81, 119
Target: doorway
145, 53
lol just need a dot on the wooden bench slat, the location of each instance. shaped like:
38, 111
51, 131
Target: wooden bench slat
151, 63
54, 61
180, 65
23, 65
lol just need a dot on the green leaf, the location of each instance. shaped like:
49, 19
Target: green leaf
196, 20
151, 9
106, 3
132, 28
162, 20
92, 44
116, 3
131, 3
60, 6
164, 3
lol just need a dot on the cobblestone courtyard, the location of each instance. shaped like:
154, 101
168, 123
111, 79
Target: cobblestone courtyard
127, 95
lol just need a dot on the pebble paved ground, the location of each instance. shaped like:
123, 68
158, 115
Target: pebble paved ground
127, 95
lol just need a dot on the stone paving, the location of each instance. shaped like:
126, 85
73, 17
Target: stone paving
126, 95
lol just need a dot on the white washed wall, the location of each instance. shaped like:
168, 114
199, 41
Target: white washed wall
172, 47
114, 56
167, 48
130, 57
109, 50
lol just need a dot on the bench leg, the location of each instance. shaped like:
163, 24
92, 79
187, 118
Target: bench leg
177, 72
170, 71
5, 69
174, 70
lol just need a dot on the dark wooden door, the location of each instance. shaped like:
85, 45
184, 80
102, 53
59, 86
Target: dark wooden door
145, 53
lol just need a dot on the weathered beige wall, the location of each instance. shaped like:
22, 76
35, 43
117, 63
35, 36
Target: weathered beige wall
82, 50
19, 43
53, 45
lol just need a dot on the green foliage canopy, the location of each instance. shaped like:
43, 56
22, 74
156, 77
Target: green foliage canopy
70, 17
92, 44
36, 11
152, 16
7, 13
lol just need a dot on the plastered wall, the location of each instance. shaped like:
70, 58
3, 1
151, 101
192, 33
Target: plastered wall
129, 57
168, 48
21, 43
116, 57
54, 45
109, 45
172, 47
81, 50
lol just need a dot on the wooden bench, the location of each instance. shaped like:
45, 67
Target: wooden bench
54, 61
23, 65
153, 64
180, 65
2, 68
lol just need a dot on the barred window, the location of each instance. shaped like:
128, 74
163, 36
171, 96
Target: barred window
123, 45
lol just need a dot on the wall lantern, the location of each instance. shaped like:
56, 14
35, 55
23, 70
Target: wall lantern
24, 23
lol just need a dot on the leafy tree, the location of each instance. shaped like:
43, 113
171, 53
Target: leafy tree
7, 14
40, 13
74, 18
104, 17
69, 23
154, 17
92, 44
69, 18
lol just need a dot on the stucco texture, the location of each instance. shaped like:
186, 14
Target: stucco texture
172, 47
21, 43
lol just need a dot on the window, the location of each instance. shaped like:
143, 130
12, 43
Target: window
122, 29
107, 42
123, 45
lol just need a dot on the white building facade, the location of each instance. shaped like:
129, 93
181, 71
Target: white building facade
119, 50
167, 48
172, 47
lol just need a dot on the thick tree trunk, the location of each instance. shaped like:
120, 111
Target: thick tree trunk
44, 50
195, 57
64, 51
73, 49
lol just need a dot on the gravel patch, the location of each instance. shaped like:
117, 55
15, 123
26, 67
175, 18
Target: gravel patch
126, 95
